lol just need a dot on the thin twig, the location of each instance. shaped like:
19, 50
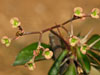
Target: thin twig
40, 38
53, 27
27, 33
67, 45
64, 61
65, 29
50, 29
59, 31
71, 32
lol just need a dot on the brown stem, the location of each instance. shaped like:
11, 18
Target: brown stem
40, 38
27, 33
59, 31
51, 29
65, 29
67, 45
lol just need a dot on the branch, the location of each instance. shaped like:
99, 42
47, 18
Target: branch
57, 26
21, 31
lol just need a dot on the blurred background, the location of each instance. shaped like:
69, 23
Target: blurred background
36, 15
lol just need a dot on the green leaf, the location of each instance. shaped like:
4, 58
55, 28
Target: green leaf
71, 70
26, 54
92, 39
95, 55
94, 58
95, 52
56, 66
83, 60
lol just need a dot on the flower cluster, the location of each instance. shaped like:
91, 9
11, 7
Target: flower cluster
75, 41
46, 53
78, 11
15, 23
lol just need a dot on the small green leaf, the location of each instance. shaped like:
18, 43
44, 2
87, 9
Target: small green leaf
83, 59
92, 39
26, 54
71, 70
56, 66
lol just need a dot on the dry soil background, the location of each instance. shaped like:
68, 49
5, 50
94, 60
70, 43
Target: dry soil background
36, 15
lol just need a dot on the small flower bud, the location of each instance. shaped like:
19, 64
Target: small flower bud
15, 22
84, 48
95, 12
73, 40
79, 69
47, 53
5, 40
19, 33
78, 11
31, 65
36, 52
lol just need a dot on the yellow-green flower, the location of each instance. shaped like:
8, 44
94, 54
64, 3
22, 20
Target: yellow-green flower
73, 40
31, 65
84, 49
78, 11
5, 40
15, 22
95, 12
47, 53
